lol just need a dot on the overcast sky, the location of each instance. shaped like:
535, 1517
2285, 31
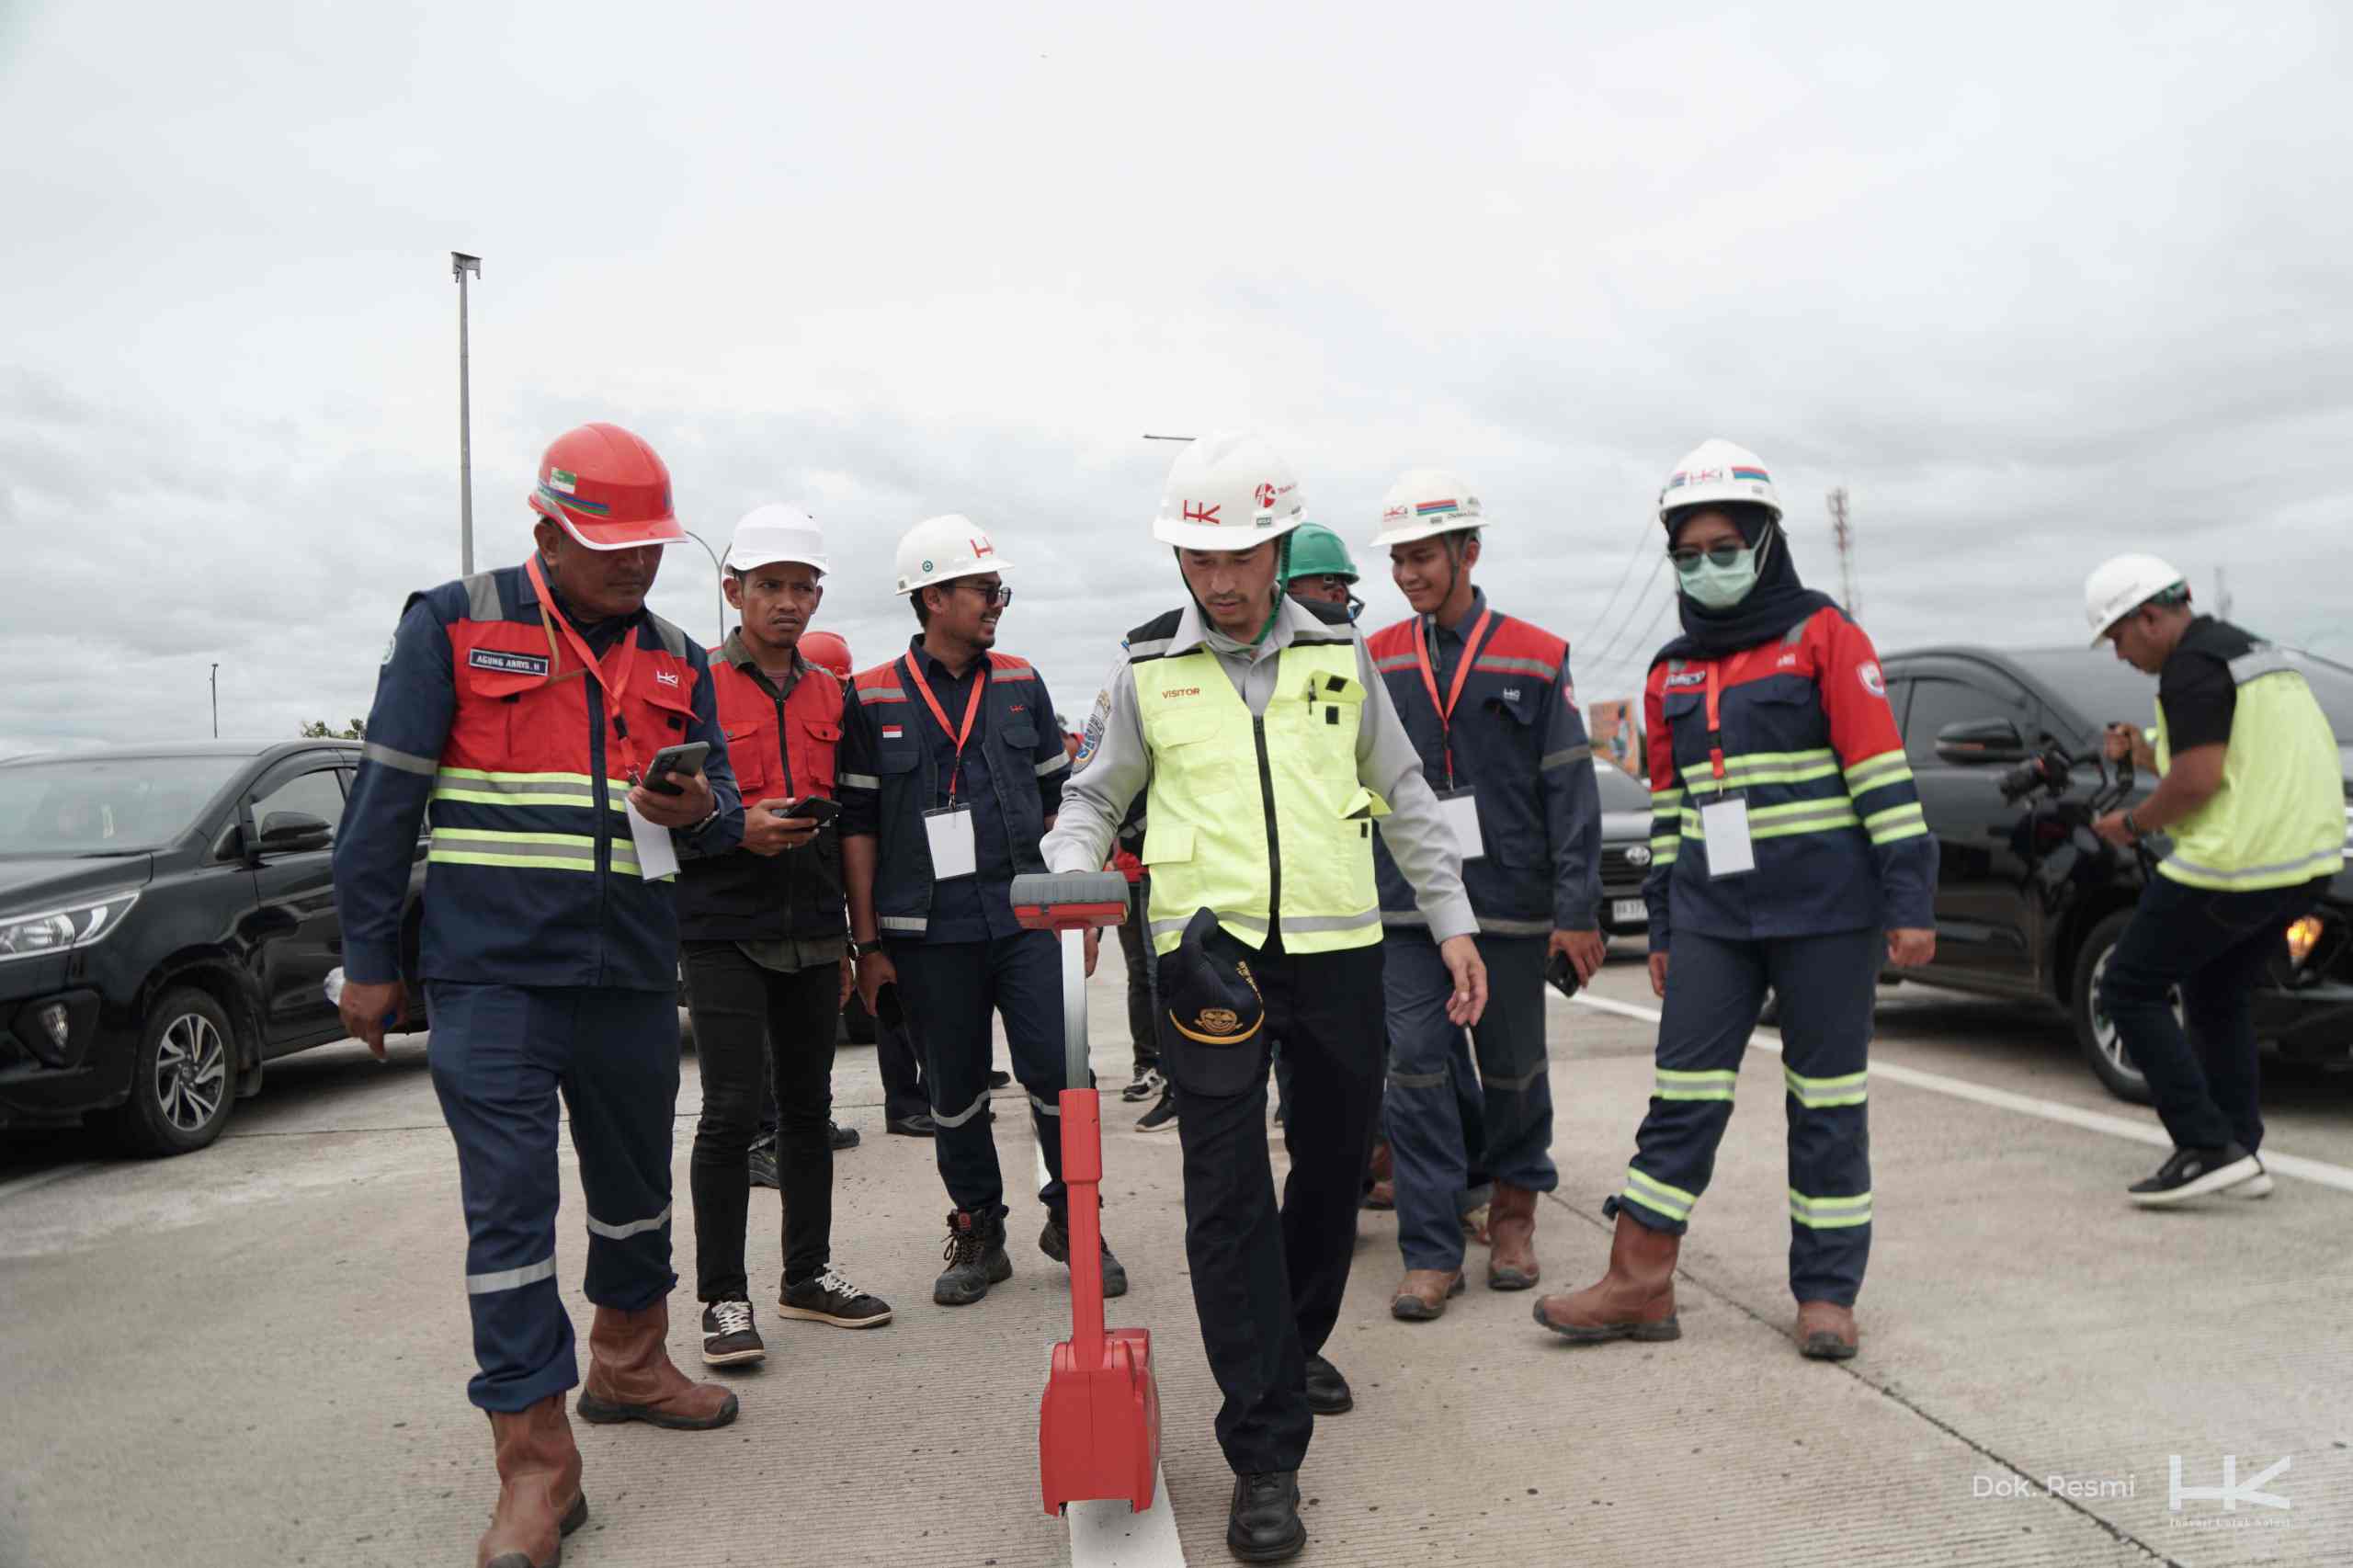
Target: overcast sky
2037, 283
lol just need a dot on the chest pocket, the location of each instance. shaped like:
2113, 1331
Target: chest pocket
1186, 749
751, 752
1521, 705
1334, 715
1780, 713
502, 721
817, 744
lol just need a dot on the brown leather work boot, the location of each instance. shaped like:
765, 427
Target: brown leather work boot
539, 1488
1511, 1239
1382, 1192
1635, 1300
1825, 1331
632, 1376
1422, 1294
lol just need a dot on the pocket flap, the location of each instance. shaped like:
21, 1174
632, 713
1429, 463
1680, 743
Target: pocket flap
1166, 844
823, 730
1324, 687
1183, 729
1365, 805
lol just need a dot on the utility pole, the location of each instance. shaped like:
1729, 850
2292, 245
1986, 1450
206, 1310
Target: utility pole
2221, 593
721, 572
1841, 531
216, 701
460, 264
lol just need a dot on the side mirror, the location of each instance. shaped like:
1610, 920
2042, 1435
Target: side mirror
292, 833
1976, 742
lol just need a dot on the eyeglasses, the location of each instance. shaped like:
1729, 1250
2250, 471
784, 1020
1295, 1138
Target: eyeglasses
1000, 596
1687, 558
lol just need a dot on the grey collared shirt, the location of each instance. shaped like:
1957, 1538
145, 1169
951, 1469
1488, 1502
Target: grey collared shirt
1118, 766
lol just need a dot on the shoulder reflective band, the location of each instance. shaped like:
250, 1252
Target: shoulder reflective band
612, 672
971, 712
1461, 673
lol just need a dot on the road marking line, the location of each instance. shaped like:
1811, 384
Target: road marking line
1112, 1535
42, 1178
2319, 1172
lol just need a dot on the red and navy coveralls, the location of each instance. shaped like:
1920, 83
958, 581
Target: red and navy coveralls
1801, 730
960, 955
1509, 729
549, 964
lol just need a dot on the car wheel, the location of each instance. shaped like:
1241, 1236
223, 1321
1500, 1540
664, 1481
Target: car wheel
2103, 1047
183, 1078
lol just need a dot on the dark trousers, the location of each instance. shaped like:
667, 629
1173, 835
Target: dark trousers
2213, 947
900, 1061
1715, 987
1267, 1282
1143, 979
500, 1055
951, 991
750, 1022
1431, 1076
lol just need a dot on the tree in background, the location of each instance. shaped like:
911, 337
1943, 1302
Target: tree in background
320, 730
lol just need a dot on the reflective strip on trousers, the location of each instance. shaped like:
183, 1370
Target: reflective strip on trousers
1043, 1107
1819, 1093
1671, 1202
1709, 1085
633, 1228
961, 1118
1830, 1213
511, 1278
1515, 1086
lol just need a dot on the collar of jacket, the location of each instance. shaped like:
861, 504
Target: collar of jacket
1293, 624
527, 599
738, 652
1460, 628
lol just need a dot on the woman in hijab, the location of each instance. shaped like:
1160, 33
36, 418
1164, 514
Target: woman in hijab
1787, 854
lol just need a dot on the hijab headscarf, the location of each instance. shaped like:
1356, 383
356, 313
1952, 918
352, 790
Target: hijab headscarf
1777, 602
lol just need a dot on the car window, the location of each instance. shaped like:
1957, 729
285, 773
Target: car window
1938, 702
1621, 790
318, 794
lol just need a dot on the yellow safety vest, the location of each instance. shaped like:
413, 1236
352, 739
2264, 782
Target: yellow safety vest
1217, 776
2279, 818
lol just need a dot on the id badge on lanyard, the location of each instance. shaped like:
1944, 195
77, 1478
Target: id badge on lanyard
1459, 809
948, 830
1724, 821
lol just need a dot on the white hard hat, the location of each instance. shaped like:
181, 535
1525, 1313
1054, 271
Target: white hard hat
940, 549
2117, 587
1424, 504
1715, 471
772, 533
1228, 490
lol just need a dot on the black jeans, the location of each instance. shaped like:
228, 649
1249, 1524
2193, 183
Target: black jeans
900, 1057
1267, 1282
2213, 946
749, 1022
1144, 978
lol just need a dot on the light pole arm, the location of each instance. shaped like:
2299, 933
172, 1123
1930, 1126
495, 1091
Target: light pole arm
720, 574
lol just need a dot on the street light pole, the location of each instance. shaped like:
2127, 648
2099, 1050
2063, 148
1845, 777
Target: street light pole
460, 264
216, 701
721, 585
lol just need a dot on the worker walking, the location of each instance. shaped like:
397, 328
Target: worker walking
951, 767
1266, 750
1490, 706
522, 709
767, 951
1790, 853
2252, 795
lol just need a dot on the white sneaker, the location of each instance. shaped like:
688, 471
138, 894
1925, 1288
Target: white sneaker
2256, 1186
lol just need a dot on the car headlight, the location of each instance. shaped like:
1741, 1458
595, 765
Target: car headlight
58, 930
2302, 937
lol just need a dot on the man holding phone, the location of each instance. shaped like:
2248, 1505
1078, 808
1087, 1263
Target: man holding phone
767, 953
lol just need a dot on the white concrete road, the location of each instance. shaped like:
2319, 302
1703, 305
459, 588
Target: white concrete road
257, 1354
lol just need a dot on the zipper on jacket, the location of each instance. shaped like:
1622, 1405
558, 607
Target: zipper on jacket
784, 755
1274, 844
593, 689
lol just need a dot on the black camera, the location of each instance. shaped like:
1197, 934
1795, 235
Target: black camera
2047, 771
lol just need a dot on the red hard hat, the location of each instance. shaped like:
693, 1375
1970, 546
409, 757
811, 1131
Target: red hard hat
826, 651
606, 488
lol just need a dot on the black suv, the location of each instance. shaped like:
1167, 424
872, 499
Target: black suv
166, 925
1625, 850
2029, 904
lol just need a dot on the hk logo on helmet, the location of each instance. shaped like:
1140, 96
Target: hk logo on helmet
1195, 512
1265, 494
981, 547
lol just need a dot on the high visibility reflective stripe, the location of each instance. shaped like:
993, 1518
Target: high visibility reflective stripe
1671, 1202
1417, 1080
1513, 1086
1878, 772
1394, 661
1053, 765
1043, 1108
511, 1278
999, 675
1496, 928
1830, 1213
1664, 848
2258, 662
881, 694
1665, 800
1709, 1085
633, 1228
1248, 922
1563, 757
1820, 1093
861, 781
2319, 862
527, 788
1155, 647
1766, 767
1895, 823
904, 922
542, 851
1783, 822
1304, 924
961, 1117
406, 761
1504, 665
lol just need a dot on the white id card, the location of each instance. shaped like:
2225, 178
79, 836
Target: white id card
1724, 825
949, 832
656, 857
1459, 811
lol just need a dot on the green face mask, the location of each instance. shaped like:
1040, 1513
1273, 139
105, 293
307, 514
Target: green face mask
1718, 588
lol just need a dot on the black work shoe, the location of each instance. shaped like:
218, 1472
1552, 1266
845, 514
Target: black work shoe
728, 1337
763, 1162
1143, 1086
1328, 1391
841, 1137
2193, 1173
998, 1080
1054, 1241
1162, 1117
919, 1125
1263, 1523
976, 1259
831, 1299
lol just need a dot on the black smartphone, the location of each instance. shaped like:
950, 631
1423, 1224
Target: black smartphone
686, 759
1562, 975
814, 806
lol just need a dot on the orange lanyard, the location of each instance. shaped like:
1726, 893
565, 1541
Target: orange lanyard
1715, 724
1461, 673
971, 712
613, 671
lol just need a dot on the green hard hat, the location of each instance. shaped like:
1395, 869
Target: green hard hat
1316, 552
